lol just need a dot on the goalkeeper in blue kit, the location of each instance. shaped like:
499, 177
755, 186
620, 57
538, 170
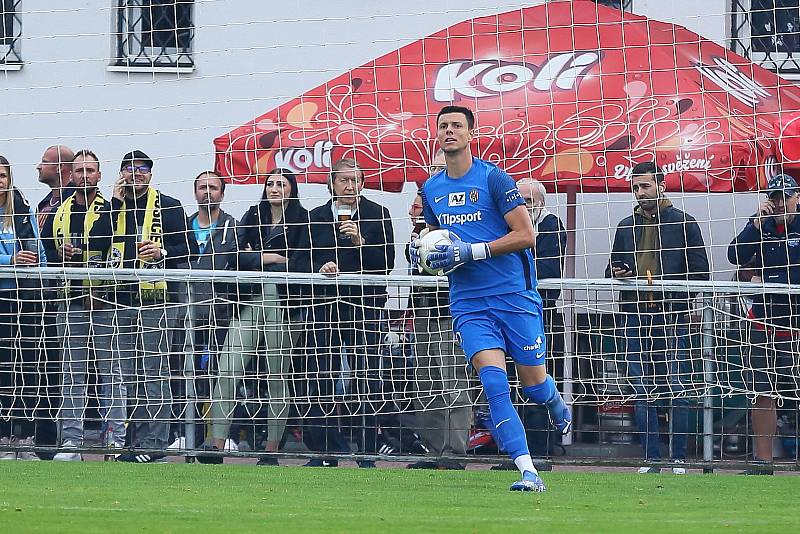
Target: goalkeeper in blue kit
496, 308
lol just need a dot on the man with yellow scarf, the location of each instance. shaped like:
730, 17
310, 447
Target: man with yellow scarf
82, 238
149, 233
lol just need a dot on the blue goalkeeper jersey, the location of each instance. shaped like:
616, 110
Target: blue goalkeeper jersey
473, 207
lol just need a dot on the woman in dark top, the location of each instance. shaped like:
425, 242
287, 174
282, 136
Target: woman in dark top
273, 237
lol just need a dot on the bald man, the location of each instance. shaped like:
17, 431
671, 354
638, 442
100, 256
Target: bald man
55, 171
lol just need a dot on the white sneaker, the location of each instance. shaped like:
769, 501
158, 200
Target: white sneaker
27, 455
7, 455
679, 470
649, 469
231, 446
178, 445
68, 456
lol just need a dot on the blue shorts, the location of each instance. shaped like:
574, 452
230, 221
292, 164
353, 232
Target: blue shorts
512, 322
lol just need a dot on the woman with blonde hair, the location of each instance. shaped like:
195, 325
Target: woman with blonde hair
20, 247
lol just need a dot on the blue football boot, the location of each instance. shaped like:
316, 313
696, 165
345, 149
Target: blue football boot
530, 482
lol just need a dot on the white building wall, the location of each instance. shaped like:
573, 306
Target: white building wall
252, 56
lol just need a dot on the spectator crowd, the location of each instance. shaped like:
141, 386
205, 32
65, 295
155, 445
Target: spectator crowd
316, 348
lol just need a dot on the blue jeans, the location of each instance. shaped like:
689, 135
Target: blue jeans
657, 349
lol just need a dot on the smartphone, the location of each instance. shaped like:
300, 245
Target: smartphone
617, 264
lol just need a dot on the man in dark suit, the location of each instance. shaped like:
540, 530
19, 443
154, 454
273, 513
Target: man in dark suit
349, 234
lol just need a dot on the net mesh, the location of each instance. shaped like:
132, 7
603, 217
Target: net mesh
253, 351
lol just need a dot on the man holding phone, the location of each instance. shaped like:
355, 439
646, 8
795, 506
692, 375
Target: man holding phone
149, 233
658, 241
770, 241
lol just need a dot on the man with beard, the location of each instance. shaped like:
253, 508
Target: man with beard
82, 238
660, 242
149, 233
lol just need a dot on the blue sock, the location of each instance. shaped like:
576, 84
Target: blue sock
547, 394
504, 417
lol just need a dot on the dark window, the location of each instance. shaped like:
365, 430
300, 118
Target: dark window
768, 33
10, 32
627, 5
155, 33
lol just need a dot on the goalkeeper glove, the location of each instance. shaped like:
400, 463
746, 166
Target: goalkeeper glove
451, 257
413, 252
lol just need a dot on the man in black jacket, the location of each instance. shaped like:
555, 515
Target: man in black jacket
349, 234
213, 246
658, 241
550, 252
55, 171
149, 233
770, 241
82, 235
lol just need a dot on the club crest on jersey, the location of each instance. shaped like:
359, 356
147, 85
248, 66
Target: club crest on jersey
457, 199
115, 258
473, 196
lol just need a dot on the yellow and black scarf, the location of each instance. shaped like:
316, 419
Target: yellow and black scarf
152, 229
62, 231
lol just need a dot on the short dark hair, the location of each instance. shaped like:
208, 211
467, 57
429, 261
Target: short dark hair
648, 167
86, 153
210, 173
458, 109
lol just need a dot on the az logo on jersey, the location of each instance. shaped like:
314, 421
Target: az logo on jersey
456, 199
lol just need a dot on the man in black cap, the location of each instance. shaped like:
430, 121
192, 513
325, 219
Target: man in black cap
770, 241
149, 233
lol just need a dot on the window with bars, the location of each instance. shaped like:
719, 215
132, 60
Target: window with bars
155, 33
10, 32
768, 33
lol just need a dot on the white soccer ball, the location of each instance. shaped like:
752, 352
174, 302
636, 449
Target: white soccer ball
427, 244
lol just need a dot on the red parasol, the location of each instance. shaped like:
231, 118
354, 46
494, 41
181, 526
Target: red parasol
571, 93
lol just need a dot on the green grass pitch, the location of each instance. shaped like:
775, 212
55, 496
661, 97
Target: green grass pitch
108, 497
